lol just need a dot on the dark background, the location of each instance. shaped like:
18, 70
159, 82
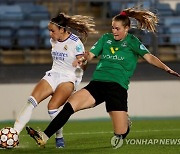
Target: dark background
33, 73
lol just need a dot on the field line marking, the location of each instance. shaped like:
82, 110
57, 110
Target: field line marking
135, 131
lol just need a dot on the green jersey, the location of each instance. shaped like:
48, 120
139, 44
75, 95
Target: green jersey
118, 58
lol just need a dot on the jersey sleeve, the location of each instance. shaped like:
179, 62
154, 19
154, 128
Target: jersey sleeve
98, 46
138, 47
79, 48
52, 42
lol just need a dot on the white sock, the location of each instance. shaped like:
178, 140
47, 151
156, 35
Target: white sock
53, 113
25, 114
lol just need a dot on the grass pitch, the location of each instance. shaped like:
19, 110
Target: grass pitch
93, 137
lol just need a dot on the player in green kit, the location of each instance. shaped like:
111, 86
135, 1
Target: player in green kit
119, 53
118, 59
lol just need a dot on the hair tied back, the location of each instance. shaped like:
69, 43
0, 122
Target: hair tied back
122, 13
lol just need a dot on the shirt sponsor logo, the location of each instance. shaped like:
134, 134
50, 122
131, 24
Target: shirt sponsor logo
59, 55
113, 50
115, 57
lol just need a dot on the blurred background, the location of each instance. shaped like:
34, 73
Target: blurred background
25, 48
24, 37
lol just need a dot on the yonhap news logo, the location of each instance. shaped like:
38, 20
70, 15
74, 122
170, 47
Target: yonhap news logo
166, 141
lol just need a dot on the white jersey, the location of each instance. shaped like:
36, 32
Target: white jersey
63, 54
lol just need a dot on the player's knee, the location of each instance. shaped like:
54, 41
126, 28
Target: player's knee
32, 100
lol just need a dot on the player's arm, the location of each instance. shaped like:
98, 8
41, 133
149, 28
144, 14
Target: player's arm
156, 62
77, 62
95, 51
88, 56
82, 60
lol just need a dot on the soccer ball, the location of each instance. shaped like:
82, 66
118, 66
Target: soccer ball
8, 138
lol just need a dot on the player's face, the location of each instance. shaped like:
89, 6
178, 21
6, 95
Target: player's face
118, 30
54, 32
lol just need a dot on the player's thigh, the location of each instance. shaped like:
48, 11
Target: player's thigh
120, 121
42, 90
61, 94
81, 99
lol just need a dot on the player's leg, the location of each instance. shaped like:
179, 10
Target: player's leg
121, 127
119, 121
41, 91
61, 94
116, 106
78, 101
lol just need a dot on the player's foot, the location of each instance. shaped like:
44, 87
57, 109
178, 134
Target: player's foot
60, 143
37, 136
116, 141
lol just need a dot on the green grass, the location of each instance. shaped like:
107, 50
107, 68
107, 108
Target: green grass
93, 137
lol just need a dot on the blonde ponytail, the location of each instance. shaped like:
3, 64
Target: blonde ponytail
146, 19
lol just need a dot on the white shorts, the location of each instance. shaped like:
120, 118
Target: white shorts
55, 78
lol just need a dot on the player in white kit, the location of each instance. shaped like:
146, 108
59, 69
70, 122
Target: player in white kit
63, 78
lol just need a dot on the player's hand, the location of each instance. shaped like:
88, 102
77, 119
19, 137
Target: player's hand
76, 63
79, 62
86, 54
170, 71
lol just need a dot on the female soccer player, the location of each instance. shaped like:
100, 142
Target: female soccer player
119, 52
63, 78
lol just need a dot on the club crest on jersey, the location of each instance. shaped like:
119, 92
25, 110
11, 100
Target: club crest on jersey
65, 47
124, 44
